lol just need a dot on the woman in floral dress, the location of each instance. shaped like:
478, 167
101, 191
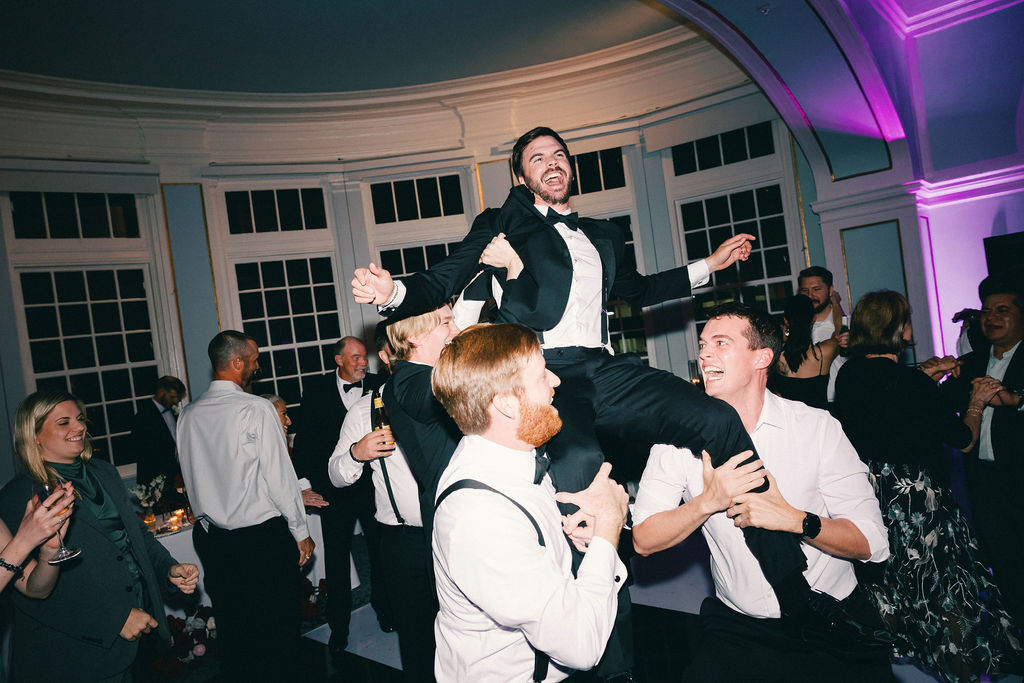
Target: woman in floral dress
939, 601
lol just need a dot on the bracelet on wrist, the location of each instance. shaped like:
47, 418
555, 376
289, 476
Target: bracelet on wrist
352, 455
974, 411
391, 299
13, 568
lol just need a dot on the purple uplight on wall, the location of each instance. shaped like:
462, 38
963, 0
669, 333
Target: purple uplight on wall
956, 218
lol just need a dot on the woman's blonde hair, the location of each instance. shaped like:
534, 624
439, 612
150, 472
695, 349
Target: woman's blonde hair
28, 422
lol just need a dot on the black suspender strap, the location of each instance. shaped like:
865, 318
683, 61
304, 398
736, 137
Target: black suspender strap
384, 469
540, 660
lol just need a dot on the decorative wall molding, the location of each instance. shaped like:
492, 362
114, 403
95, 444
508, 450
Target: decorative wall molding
913, 18
969, 188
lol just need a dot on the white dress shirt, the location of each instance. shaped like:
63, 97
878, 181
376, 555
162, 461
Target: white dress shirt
996, 370
816, 469
822, 330
344, 470
348, 398
235, 463
501, 592
581, 322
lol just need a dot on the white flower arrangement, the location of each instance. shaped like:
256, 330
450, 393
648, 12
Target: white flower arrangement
149, 494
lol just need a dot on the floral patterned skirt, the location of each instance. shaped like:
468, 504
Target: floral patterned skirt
937, 598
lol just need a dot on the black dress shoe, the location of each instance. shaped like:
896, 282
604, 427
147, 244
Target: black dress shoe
337, 645
385, 624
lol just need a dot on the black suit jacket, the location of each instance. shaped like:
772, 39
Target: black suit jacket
321, 414
76, 630
537, 298
427, 434
1007, 423
155, 449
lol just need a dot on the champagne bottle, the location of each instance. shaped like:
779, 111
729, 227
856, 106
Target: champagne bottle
379, 417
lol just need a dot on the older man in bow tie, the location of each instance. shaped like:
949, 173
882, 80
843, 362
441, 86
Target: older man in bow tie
325, 402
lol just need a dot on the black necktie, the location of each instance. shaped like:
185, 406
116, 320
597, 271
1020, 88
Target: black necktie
571, 220
542, 466
350, 387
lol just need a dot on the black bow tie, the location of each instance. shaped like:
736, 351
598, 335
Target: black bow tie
350, 387
543, 462
571, 220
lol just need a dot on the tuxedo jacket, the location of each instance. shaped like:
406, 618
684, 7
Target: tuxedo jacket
538, 297
321, 414
79, 624
427, 434
1007, 423
154, 447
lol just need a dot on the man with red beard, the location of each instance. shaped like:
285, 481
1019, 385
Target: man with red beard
510, 607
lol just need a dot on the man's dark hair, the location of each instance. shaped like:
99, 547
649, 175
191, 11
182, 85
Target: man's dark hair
763, 333
380, 336
1011, 283
339, 346
227, 345
528, 137
816, 271
170, 383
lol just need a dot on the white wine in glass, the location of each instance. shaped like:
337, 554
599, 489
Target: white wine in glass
64, 553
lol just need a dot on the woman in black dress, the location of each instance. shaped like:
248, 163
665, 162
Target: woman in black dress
801, 372
938, 599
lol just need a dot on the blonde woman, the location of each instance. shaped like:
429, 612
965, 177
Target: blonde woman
110, 596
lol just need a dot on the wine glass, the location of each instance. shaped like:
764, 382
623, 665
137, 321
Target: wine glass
64, 553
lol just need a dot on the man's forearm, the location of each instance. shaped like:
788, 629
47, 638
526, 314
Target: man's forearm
842, 538
669, 528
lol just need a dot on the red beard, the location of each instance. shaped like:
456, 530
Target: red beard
538, 423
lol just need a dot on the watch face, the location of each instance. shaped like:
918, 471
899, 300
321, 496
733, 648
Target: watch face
812, 525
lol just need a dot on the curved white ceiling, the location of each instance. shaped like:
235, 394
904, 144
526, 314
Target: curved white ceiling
310, 46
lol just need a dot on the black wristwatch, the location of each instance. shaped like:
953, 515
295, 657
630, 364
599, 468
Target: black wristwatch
812, 525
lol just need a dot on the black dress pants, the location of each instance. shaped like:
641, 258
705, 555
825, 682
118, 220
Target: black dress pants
338, 520
740, 648
997, 510
252, 576
408, 571
634, 402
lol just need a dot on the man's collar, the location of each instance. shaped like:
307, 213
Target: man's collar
771, 412
1008, 354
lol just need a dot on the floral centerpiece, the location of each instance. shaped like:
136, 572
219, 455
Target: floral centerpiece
148, 495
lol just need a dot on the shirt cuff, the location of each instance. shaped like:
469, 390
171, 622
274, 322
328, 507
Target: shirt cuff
304, 484
397, 297
602, 559
699, 273
877, 538
300, 532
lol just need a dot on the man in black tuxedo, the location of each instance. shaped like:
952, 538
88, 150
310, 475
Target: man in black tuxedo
996, 466
153, 436
555, 273
325, 402
427, 434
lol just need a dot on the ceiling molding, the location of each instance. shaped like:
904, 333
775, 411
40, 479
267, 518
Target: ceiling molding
940, 16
